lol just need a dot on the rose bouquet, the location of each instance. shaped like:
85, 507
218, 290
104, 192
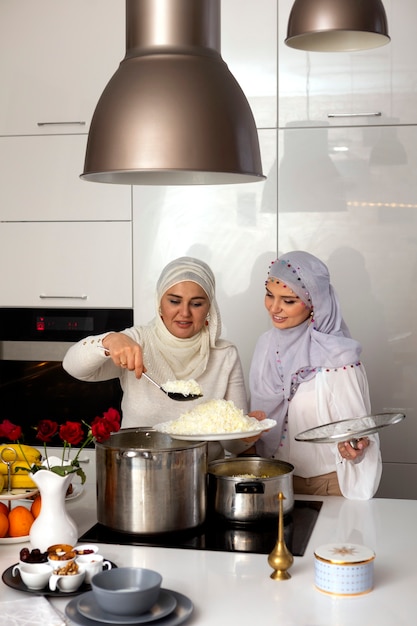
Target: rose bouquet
70, 433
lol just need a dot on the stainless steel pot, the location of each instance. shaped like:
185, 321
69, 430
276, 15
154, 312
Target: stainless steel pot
150, 483
246, 489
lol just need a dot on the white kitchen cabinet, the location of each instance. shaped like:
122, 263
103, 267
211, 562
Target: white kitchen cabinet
39, 181
66, 264
370, 87
62, 65
56, 57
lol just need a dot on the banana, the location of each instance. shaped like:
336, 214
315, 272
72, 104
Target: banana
13, 466
23, 452
1, 482
25, 457
21, 481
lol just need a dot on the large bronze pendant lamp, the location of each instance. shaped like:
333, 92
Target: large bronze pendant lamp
173, 114
337, 25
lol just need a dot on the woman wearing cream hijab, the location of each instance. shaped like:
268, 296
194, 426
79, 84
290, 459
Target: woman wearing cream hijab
182, 342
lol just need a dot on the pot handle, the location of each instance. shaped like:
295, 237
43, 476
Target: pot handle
250, 487
133, 454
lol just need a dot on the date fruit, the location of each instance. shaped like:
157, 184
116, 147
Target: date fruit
33, 556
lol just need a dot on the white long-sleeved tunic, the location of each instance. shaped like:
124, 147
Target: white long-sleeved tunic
330, 396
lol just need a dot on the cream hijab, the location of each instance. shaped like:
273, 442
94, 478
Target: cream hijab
285, 358
182, 358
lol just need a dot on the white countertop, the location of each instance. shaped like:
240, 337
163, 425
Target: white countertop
236, 588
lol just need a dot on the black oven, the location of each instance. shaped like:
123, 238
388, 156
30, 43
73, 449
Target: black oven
33, 384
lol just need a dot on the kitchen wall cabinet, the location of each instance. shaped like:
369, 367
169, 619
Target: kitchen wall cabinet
370, 87
62, 81
56, 57
39, 181
66, 264
64, 241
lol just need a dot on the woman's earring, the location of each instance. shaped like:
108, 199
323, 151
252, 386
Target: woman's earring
207, 319
311, 320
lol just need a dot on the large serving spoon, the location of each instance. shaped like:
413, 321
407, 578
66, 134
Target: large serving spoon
174, 395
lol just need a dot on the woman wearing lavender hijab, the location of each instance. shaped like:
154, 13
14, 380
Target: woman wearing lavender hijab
305, 372
182, 342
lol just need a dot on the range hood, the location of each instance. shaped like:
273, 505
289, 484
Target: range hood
173, 114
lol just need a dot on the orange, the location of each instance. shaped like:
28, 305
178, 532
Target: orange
4, 524
4, 509
35, 509
20, 521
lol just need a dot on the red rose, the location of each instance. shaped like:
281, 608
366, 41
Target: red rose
101, 429
71, 432
46, 430
112, 416
10, 431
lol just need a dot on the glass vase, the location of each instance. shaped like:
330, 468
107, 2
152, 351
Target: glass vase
53, 524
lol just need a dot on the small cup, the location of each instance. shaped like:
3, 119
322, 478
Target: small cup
85, 548
66, 583
60, 548
60, 555
92, 564
34, 575
59, 563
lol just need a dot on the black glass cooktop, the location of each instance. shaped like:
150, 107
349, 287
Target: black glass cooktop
216, 534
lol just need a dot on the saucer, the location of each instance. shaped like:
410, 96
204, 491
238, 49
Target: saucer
181, 612
87, 606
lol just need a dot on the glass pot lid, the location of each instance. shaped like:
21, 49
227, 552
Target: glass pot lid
349, 429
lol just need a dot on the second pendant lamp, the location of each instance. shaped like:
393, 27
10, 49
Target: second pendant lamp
173, 114
337, 25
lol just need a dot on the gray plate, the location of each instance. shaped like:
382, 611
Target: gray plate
344, 430
181, 612
88, 607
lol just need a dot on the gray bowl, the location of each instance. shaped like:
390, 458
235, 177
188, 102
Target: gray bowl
126, 590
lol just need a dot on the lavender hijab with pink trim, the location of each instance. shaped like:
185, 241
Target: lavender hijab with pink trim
284, 358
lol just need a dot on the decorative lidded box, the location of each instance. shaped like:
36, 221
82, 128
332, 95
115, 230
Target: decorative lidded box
345, 569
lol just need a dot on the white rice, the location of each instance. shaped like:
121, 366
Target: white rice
186, 387
211, 418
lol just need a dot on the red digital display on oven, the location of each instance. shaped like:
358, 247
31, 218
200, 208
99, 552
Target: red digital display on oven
40, 323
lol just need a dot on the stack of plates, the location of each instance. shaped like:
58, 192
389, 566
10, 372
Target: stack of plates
172, 609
